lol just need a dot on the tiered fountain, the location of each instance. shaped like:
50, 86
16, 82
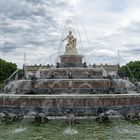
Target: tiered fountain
71, 86
71, 75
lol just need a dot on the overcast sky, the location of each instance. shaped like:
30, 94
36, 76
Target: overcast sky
102, 28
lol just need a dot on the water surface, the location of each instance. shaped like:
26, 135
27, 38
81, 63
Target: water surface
59, 130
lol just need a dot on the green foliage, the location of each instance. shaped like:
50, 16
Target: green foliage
1, 85
131, 70
6, 69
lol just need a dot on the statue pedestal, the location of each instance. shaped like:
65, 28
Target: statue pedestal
71, 60
72, 51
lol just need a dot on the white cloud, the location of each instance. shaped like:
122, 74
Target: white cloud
36, 26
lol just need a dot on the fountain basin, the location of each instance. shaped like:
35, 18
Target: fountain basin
61, 105
60, 86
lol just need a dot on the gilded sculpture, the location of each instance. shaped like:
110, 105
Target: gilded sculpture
70, 48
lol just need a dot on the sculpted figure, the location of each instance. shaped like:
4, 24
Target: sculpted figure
71, 43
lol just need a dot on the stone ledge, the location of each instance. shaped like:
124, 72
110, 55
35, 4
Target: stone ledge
134, 95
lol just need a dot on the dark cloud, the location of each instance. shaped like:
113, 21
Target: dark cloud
7, 47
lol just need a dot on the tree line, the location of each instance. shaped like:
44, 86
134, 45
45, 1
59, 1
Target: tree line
131, 70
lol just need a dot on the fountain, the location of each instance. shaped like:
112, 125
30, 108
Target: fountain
71, 75
71, 87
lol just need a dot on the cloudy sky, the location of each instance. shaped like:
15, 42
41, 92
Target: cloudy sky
102, 27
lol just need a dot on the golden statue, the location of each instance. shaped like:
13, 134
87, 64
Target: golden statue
71, 44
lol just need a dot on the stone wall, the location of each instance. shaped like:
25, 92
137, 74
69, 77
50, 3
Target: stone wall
35, 68
60, 105
71, 60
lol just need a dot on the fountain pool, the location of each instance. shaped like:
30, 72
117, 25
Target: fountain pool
59, 130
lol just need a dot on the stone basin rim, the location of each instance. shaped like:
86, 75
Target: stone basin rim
130, 95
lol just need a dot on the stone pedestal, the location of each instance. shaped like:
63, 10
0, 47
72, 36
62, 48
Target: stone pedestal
71, 60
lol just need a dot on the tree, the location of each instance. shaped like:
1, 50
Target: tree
131, 70
6, 69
